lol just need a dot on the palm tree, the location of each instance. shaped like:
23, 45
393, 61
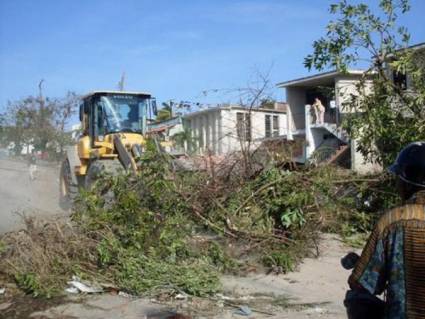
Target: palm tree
166, 112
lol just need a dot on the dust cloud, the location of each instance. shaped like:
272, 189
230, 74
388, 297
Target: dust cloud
21, 195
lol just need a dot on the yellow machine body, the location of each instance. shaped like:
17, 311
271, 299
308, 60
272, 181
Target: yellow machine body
104, 149
112, 131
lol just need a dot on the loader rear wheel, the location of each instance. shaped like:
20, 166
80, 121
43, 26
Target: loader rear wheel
67, 189
101, 167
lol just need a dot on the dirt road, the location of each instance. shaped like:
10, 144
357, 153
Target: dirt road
315, 290
18, 194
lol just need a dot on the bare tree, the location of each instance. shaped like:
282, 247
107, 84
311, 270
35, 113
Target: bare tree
257, 93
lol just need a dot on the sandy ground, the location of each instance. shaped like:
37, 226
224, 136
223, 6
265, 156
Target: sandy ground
315, 290
18, 194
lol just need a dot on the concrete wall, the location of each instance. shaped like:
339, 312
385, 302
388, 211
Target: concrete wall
216, 131
204, 130
228, 137
318, 136
344, 89
358, 163
296, 99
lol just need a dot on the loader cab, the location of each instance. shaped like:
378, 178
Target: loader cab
103, 113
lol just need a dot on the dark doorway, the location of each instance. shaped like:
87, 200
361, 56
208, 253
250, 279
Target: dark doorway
326, 95
311, 94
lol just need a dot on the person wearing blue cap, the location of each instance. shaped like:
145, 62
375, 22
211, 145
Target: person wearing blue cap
393, 260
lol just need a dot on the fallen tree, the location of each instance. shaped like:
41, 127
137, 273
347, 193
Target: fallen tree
167, 231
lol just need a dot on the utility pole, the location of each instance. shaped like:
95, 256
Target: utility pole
40, 92
40, 118
121, 83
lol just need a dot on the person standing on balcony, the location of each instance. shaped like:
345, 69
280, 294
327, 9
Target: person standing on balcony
319, 111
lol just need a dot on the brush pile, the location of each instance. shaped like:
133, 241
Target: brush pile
166, 232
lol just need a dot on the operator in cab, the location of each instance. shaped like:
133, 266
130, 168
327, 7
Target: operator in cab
393, 260
122, 113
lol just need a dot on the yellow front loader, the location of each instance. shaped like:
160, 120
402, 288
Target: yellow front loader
113, 128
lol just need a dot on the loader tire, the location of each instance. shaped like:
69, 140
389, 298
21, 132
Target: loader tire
101, 167
67, 189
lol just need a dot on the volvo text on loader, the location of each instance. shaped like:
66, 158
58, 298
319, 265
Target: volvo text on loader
113, 128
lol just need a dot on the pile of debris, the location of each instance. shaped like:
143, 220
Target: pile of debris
167, 232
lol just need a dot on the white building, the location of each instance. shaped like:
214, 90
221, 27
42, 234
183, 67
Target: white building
327, 141
231, 128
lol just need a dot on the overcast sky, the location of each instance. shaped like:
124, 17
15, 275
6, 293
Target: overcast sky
174, 49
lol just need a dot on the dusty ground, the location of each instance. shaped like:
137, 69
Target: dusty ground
19, 194
315, 290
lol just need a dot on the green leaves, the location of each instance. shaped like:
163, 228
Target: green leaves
30, 284
385, 115
293, 218
351, 37
390, 117
144, 227
280, 258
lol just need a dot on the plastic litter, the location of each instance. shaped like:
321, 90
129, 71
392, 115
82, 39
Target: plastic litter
77, 286
223, 297
125, 295
72, 290
2, 291
244, 311
316, 310
245, 298
180, 297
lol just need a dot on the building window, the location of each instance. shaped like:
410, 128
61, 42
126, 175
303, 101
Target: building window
243, 126
275, 125
247, 126
400, 80
239, 124
268, 126
271, 128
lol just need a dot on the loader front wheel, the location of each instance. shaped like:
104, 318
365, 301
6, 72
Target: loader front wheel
101, 167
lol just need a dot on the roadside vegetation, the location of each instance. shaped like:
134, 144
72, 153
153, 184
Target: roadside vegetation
167, 231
